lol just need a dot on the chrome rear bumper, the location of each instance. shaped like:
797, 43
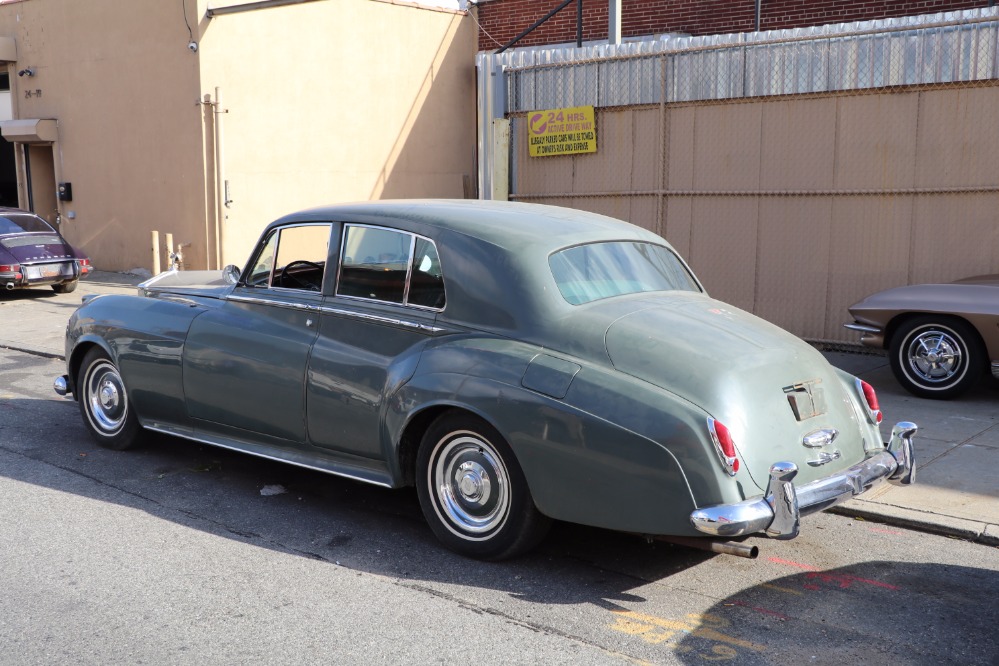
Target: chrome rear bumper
777, 514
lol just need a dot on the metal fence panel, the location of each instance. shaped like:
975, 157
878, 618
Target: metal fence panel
798, 171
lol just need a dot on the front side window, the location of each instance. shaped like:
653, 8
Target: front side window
591, 272
390, 266
292, 258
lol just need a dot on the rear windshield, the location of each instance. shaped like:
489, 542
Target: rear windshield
600, 270
15, 224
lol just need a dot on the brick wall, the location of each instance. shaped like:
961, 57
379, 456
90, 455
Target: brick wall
502, 20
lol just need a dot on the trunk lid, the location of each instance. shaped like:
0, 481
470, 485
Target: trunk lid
37, 248
770, 388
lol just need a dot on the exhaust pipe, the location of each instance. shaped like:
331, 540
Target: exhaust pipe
9, 286
714, 546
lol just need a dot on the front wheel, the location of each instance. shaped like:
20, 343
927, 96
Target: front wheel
937, 356
104, 402
472, 491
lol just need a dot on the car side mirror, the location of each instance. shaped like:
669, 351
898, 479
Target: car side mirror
231, 274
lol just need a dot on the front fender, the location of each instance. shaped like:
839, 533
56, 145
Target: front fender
145, 339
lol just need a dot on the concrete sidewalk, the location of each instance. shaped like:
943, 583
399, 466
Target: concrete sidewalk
957, 447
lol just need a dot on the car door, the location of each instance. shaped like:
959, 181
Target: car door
245, 363
387, 296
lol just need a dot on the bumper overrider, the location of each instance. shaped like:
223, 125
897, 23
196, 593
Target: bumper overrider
777, 514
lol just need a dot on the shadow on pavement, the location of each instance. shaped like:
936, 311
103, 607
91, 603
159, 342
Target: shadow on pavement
941, 614
323, 517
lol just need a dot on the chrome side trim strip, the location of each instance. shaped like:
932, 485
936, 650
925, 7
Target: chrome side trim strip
862, 328
995, 369
268, 301
393, 321
223, 444
179, 299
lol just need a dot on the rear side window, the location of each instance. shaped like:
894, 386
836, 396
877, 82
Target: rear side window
390, 266
592, 272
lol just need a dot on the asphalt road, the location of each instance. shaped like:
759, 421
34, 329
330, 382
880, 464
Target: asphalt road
171, 554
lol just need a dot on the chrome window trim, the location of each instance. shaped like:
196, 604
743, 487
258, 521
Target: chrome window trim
256, 300
278, 231
409, 270
395, 321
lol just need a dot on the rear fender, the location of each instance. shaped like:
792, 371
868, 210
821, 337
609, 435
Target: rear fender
579, 468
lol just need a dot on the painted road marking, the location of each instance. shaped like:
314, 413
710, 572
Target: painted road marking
657, 630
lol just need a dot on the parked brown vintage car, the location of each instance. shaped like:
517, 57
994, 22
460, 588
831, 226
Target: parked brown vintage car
940, 337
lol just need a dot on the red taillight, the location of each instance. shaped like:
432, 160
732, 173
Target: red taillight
12, 270
871, 398
85, 265
724, 446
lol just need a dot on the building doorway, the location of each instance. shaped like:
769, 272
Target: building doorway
8, 162
39, 170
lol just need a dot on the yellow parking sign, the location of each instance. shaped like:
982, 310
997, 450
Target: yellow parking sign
561, 131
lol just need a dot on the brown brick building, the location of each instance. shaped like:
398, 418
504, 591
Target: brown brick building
502, 20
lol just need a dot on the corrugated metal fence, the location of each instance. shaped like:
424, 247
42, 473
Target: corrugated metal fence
797, 171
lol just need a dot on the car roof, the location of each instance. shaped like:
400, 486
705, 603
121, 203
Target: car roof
494, 255
505, 224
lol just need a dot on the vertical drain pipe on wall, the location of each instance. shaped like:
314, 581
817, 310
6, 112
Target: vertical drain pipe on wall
221, 200
759, 4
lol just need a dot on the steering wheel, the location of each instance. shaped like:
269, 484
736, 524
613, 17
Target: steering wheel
286, 276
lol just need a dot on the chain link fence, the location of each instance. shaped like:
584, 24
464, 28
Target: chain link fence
797, 171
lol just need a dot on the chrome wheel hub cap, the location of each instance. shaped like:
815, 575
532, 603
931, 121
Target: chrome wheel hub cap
471, 484
108, 395
104, 393
934, 356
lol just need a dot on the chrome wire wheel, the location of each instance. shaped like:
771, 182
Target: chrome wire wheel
471, 485
935, 356
106, 404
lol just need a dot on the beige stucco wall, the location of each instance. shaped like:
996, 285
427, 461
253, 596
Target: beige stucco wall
339, 101
334, 100
121, 83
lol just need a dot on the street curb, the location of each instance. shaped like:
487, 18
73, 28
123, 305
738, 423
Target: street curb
34, 352
951, 526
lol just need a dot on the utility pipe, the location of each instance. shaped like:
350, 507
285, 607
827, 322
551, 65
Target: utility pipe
220, 198
613, 21
156, 253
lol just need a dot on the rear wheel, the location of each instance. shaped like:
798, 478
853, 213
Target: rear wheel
472, 491
66, 287
104, 402
937, 356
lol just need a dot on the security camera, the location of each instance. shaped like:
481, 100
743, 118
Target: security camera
192, 47
26, 72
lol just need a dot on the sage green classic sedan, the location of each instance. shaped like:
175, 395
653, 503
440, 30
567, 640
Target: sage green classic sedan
516, 363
